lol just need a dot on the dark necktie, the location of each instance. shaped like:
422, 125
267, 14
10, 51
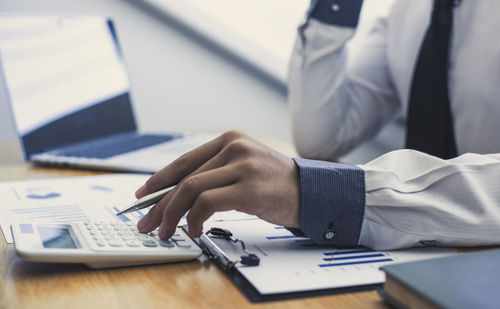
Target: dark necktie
429, 121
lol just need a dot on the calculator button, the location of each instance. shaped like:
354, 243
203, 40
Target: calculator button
149, 243
177, 238
133, 243
183, 244
127, 237
115, 243
108, 232
90, 227
111, 237
94, 232
166, 243
143, 237
124, 232
100, 243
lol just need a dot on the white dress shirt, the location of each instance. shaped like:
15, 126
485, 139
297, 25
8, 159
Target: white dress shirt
343, 88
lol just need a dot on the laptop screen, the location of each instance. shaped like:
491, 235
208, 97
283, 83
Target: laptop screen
65, 79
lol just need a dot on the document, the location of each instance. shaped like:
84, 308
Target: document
294, 264
71, 199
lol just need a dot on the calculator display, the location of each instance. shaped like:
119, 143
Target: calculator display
59, 238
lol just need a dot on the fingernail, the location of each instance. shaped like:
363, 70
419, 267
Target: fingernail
161, 231
141, 190
142, 223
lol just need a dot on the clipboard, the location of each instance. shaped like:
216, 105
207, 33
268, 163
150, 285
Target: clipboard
268, 263
210, 243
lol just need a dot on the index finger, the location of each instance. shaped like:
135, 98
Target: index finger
181, 167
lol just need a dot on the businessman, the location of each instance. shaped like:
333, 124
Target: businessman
437, 61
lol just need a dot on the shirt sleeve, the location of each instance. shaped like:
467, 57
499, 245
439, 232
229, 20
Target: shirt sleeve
332, 199
402, 199
414, 200
341, 94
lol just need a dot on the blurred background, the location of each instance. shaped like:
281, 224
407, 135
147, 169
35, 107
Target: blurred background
204, 65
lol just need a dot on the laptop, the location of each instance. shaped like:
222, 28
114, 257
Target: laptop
69, 94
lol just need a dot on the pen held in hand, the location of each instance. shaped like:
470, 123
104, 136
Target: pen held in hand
146, 201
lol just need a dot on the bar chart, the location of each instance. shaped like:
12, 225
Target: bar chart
289, 263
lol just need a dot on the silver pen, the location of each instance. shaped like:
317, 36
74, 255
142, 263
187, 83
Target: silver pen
146, 201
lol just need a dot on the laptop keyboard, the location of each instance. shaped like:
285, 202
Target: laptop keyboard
112, 146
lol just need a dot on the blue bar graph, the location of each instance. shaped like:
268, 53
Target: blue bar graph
122, 217
353, 257
356, 262
137, 215
348, 252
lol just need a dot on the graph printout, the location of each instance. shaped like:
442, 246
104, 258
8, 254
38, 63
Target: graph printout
67, 200
291, 264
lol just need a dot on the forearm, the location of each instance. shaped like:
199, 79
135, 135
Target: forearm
338, 96
316, 71
413, 199
316, 79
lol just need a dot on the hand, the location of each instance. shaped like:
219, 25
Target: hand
232, 171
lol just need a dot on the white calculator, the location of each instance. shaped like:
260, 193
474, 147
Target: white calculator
99, 244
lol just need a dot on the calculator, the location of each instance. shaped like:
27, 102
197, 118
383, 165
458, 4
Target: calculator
100, 244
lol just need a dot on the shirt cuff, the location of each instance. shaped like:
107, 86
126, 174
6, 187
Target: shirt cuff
336, 12
332, 201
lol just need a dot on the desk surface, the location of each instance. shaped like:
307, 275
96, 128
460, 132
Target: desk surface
198, 284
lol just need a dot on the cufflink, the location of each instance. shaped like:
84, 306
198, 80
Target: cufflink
329, 234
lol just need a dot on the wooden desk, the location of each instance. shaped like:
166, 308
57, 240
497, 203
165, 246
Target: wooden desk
198, 284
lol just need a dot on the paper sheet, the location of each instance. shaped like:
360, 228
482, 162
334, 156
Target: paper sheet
291, 264
69, 199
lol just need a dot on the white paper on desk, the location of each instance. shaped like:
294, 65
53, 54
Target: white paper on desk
291, 264
69, 199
